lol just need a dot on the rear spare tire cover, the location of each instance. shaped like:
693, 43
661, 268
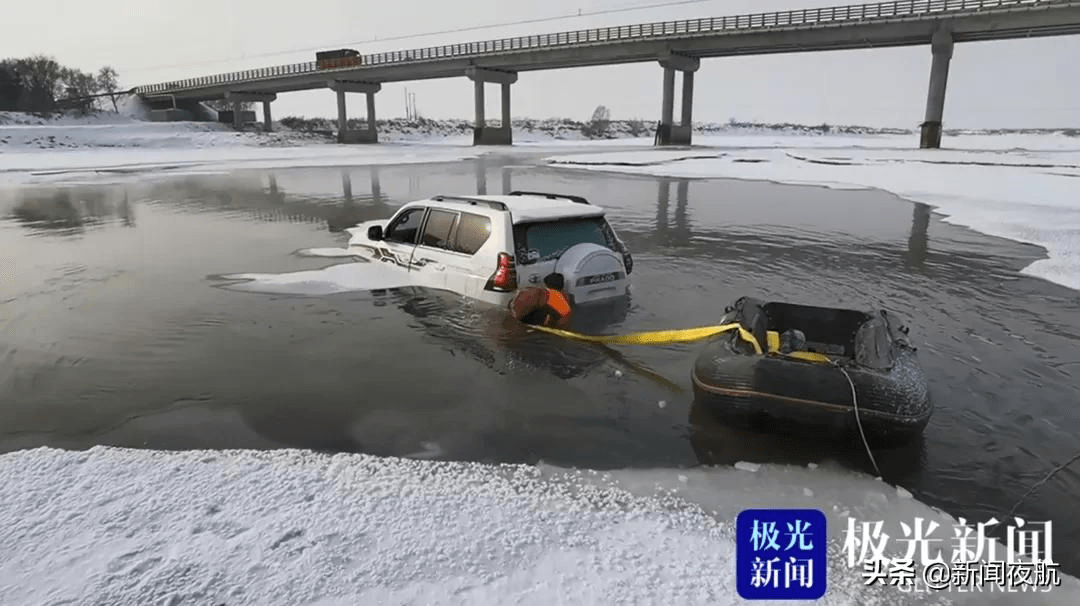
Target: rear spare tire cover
598, 265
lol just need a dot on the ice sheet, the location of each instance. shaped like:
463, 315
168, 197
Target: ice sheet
346, 277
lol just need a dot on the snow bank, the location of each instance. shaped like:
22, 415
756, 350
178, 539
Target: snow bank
291, 527
993, 186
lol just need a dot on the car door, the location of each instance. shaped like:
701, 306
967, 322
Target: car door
432, 258
399, 239
473, 250
447, 250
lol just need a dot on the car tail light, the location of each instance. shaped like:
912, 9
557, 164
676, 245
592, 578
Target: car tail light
505, 276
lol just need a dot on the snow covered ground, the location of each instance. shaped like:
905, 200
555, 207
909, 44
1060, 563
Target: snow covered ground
142, 527
112, 526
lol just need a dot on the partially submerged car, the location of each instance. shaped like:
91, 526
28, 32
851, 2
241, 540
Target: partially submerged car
487, 246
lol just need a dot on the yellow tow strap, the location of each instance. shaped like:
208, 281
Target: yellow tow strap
689, 335
658, 337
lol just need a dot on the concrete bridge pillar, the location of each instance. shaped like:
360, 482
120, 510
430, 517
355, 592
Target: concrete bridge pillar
478, 97
667, 108
482, 133
342, 116
368, 135
670, 133
268, 124
236, 98
505, 106
941, 46
687, 98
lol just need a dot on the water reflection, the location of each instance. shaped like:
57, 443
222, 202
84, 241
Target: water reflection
481, 177
918, 241
266, 197
494, 338
510, 409
354, 210
352, 207
717, 442
322, 426
69, 211
731, 223
680, 234
838, 233
481, 169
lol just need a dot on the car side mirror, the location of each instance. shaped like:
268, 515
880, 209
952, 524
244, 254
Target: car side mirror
375, 233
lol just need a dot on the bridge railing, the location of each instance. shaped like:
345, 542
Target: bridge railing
837, 15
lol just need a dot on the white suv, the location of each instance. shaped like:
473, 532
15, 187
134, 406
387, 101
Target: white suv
485, 247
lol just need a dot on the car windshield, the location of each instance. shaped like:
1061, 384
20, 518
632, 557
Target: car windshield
536, 242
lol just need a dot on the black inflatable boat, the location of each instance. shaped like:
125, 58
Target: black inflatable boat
789, 370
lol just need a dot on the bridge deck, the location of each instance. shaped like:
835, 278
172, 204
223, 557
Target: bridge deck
884, 24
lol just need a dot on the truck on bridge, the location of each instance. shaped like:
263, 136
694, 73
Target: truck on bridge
333, 59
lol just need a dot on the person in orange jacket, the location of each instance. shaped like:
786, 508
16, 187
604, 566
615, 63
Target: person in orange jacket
545, 306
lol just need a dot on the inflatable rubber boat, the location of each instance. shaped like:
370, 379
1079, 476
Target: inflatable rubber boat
811, 369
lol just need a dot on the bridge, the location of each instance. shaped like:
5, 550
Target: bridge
678, 46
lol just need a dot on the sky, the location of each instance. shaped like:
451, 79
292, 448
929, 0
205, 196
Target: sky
1007, 84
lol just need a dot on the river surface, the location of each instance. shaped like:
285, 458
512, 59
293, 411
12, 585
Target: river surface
116, 328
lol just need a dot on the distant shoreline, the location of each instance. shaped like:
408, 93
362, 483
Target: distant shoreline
624, 128
560, 128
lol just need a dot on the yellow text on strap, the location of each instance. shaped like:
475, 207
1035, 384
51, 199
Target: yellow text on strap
658, 337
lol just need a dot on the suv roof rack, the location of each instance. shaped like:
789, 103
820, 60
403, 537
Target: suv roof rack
472, 201
550, 196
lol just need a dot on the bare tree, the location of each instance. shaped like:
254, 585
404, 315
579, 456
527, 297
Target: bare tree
79, 84
40, 76
598, 125
107, 80
36, 83
637, 127
10, 87
78, 88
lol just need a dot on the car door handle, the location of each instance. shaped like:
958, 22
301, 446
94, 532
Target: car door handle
429, 263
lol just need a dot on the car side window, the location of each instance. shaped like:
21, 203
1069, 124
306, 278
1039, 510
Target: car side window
472, 232
405, 226
437, 230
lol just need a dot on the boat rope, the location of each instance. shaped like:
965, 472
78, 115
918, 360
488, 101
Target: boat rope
858, 421
1046, 479
690, 335
658, 337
